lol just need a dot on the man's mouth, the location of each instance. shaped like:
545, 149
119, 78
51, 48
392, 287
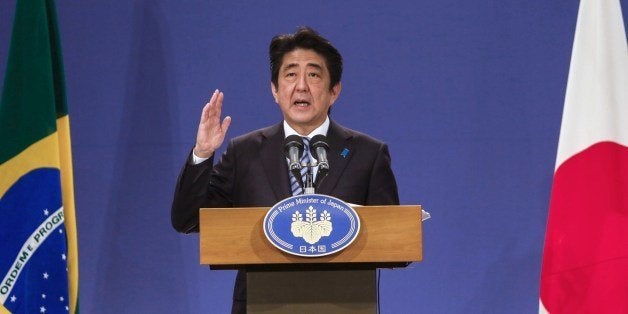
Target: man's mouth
301, 103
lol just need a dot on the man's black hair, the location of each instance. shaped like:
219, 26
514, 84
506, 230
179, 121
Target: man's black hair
305, 38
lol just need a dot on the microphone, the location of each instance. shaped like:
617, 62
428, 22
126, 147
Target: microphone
293, 149
319, 149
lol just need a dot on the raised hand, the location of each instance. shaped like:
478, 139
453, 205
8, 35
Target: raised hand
211, 132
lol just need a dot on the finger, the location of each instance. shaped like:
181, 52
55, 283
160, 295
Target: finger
218, 102
216, 105
214, 95
208, 105
225, 124
212, 99
205, 113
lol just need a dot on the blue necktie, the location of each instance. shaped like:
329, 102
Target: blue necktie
305, 159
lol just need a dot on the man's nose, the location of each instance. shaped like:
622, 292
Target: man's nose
302, 84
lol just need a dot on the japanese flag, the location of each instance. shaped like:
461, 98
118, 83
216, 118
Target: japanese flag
585, 259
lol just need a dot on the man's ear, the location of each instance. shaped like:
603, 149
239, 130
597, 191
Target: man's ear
273, 89
335, 92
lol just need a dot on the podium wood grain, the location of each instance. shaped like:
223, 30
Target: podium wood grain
235, 237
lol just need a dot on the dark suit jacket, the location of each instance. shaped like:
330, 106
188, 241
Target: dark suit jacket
253, 172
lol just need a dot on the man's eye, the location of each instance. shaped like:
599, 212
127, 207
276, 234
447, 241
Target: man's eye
290, 74
314, 75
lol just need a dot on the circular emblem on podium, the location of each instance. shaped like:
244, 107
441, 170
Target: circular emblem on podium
311, 225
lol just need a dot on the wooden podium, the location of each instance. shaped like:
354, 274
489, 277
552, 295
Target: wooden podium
344, 282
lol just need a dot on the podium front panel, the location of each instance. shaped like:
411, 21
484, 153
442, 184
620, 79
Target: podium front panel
234, 238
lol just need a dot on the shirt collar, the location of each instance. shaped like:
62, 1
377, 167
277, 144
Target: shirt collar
322, 129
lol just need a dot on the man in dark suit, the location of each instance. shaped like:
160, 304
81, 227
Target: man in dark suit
305, 82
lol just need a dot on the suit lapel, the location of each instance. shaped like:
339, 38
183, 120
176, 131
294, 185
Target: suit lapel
275, 167
340, 152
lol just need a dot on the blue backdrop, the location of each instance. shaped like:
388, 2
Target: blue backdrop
468, 94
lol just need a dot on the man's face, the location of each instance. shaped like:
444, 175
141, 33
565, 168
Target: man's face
303, 93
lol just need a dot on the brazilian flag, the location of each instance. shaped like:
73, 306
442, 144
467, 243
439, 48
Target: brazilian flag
38, 247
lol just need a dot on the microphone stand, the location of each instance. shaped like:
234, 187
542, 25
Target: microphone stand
309, 184
309, 180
